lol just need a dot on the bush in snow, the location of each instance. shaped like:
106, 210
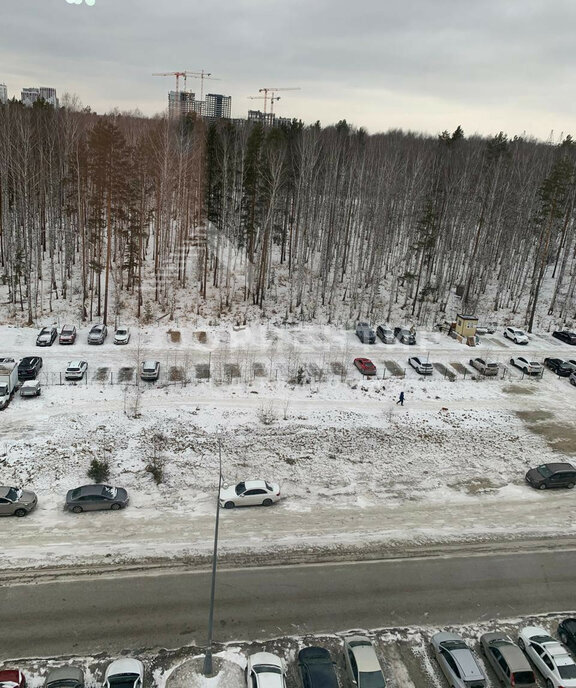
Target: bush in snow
99, 471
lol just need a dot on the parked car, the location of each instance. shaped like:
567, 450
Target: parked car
249, 493
362, 663
560, 367
122, 335
365, 333
265, 670
549, 475
14, 501
567, 633
423, 367
76, 370
29, 367
527, 366
405, 335
365, 366
97, 334
124, 673
65, 677
317, 668
67, 334
30, 388
12, 678
549, 656
46, 336
96, 498
486, 329
386, 334
150, 370
565, 336
507, 660
487, 368
457, 661
517, 336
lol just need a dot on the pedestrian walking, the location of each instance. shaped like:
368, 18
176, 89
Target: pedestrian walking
400, 399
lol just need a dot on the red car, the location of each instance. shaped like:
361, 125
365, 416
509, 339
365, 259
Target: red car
365, 366
12, 678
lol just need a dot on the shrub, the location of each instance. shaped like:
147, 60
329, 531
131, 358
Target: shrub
156, 468
99, 470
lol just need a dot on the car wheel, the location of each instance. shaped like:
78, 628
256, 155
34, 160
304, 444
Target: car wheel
115, 506
268, 502
525, 371
504, 333
549, 683
20, 513
229, 505
77, 509
570, 486
511, 361
542, 486
521, 644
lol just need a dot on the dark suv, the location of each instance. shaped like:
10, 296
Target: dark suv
29, 367
565, 336
404, 335
560, 367
552, 475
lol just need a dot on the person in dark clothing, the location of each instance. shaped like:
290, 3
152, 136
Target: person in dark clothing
400, 399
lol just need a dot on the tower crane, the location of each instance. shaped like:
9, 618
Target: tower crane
273, 91
196, 75
272, 99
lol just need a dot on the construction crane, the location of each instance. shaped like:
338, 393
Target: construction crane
196, 75
272, 99
273, 91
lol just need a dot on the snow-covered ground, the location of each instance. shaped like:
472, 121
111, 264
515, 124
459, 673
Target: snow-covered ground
357, 471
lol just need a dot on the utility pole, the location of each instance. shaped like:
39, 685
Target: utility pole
208, 668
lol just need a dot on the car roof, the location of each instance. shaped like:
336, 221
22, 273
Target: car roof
150, 364
559, 467
266, 658
75, 364
92, 489
255, 484
66, 673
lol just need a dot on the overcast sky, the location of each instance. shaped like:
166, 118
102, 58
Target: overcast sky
422, 65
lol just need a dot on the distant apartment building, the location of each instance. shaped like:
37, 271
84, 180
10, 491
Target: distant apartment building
218, 106
30, 95
3, 94
182, 103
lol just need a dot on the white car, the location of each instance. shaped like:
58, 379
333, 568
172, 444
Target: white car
76, 370
516, 335
249, 493
265, 670
527, 366
362, 663
423, 367
150, 370
124, 673
122, 335
549, 656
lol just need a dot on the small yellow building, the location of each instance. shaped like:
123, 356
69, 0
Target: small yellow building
465, 328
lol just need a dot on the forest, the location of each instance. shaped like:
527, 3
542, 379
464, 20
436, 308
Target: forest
123, 215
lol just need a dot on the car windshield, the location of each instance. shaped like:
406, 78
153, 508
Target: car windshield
534, 363
73, 368
3, 390
63, 682
120, 331
14, 493
544, 471
371, 679
454, 645
123, 680
267, 669
567, 671
492, 365
240, 488
523, 678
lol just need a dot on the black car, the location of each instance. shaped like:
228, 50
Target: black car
96, 498
404, 335
552, 475
29, 367
317, 668
560, 367
565, 336
567, 633
46, 336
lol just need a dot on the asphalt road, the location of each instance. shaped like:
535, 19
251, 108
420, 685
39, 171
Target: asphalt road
91, 614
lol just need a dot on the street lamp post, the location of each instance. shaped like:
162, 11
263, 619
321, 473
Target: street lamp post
208, 669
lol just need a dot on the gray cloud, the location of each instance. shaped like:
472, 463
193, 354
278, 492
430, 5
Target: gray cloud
420, 64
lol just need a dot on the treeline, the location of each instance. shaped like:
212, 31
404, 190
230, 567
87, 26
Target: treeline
307, 222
